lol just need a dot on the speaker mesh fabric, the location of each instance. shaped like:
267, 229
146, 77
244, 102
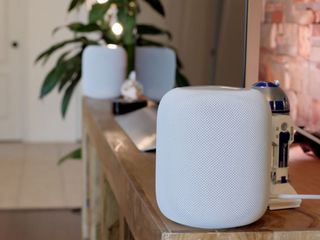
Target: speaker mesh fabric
213, 156
156, 70
103, 71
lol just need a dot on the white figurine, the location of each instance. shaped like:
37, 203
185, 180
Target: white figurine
131, 89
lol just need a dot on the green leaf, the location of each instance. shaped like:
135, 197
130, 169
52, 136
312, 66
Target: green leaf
51, 80
146, 29
98, 11
61, 59
83, 28
75, 3
70, 76
79, 27
129, 23
55, 30
63, 71
53, 76
179, 62
47, 53
157, 6
67, 96
74, 155
73, 70
181, 80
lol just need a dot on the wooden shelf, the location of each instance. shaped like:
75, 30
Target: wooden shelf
120, 185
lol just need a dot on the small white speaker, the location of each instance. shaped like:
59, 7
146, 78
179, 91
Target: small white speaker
213, 156
156, 70
103, 71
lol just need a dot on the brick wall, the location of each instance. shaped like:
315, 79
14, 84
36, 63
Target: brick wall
290, 52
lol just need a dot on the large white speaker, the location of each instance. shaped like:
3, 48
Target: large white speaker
156, 70
213, 156
103, 71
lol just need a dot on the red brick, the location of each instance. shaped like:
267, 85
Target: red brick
300, 1
305, 40
277, 17
279, 73
314, 122
317, 16
288, 39
303, 111
293, 100
315, 42
315, 54
268, 36
297, 71
272, 69
273, 6
291, 53
265, 72
305, 17
274, 12
312, 82
316, 30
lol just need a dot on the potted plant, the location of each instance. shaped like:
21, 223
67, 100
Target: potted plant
112, 22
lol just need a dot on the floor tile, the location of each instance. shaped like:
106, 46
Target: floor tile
42, 187
10, 185
41, 154
12, 152
72, 182
31, 178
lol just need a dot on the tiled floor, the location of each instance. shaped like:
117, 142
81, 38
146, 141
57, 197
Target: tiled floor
62, 224
31, 179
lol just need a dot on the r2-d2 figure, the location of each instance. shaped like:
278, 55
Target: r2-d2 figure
282, 136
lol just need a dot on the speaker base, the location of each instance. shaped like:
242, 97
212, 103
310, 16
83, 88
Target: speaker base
277, 204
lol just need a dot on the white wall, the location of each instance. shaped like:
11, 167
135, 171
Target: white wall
192, 36
43, 121
231, 52
192, 24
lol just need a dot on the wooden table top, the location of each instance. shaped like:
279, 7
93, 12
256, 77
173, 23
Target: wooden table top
131, 175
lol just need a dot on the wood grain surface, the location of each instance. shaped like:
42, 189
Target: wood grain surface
131, 175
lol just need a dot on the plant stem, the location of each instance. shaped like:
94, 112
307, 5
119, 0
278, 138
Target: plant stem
131, 57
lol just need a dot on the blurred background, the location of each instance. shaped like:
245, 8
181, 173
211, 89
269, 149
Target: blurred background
209, 36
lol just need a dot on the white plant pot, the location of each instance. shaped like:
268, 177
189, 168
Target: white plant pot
103, 71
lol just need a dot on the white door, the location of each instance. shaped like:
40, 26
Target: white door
10, 70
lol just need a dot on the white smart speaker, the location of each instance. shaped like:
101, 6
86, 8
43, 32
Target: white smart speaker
213, 156
103, 71
156, 70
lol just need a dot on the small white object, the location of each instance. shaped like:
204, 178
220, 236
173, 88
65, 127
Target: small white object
213, 156
308, 135
103, 71
296, 196
156, 70
131, 89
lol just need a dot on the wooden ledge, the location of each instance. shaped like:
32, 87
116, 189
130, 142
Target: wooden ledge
131, 175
